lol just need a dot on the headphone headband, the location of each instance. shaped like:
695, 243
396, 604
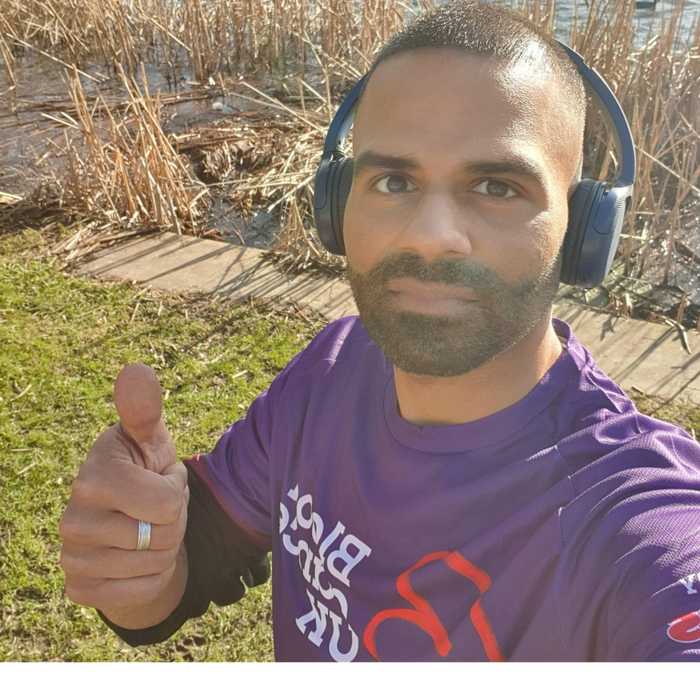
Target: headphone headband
607, 103
599, 91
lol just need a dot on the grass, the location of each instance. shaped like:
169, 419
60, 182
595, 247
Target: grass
681, 413
63, 339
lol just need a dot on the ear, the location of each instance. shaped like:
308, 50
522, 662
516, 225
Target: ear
576, 178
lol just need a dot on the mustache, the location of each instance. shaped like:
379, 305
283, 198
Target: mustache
459, 272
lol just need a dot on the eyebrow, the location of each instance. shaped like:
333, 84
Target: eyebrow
509, 165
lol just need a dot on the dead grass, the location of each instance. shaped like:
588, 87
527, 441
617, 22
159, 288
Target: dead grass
210, 35
132, 174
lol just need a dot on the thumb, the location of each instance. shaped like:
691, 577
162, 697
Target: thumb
138, 400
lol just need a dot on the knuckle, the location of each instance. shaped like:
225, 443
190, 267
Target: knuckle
66, 563
170, 536
159, 562
84, 486
153, 585
164, 577
64, 527
69, 525
181, 527
182, 470
78, 594
72, 565
173, 534
167, 557
172, 505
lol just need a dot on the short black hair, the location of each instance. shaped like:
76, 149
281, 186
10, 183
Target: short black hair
481, 27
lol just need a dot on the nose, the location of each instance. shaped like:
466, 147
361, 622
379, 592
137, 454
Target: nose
436, 227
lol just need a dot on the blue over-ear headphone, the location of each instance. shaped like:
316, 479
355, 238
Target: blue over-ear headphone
596, 213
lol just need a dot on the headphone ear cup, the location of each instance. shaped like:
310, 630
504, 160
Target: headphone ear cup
579, 213
340, 189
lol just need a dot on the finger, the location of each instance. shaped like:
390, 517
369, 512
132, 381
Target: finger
141, 494
99, 563
138, 400
90, 527
139, 403
118, 593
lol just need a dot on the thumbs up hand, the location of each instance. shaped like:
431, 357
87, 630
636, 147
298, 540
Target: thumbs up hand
131, 474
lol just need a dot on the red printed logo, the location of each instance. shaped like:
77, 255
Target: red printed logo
423, 615
685, 629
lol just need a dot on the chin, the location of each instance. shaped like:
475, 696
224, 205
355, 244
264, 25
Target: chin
437, 346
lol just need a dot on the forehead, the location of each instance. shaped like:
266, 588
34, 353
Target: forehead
443, 104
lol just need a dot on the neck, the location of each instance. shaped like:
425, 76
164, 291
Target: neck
425, 400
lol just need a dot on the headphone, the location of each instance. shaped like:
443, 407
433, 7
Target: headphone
596, 213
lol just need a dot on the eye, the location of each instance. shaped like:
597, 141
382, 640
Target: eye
393, 184
495, 188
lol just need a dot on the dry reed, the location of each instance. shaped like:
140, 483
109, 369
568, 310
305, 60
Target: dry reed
123, 169
213, 35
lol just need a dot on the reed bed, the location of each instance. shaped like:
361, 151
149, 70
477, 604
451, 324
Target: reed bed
239, 158
206, 35
122, 169
294, 60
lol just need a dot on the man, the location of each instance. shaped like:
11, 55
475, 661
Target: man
449, 476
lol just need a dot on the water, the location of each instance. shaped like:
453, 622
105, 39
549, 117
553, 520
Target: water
646, 19
41, 82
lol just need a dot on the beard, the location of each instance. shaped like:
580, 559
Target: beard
454, 344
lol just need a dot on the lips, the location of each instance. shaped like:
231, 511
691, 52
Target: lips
429, 290
429, 297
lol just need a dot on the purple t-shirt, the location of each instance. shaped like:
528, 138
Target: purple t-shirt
564, 527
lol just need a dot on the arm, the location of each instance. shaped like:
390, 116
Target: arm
228, 529
628, 575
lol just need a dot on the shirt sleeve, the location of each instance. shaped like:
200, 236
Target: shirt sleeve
222, 561
630, 587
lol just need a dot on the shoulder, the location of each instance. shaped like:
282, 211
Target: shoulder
630, 534
606, 443
630, 542
643, 477
618, 456
623, 465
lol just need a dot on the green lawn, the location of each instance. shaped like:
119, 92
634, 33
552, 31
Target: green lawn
63, 339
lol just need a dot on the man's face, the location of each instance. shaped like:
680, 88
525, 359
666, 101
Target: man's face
458, 207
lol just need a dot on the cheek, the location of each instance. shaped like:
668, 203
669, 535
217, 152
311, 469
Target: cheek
363, 238
547, 234
516, 250
524, 256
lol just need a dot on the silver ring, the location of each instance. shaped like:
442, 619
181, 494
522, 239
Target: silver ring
144, 538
